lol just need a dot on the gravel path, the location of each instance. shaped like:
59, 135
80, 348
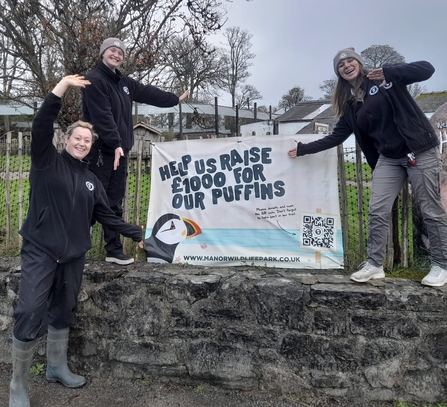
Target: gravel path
101, 392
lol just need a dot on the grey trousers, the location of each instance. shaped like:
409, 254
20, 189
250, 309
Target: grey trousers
388, 179
48, 293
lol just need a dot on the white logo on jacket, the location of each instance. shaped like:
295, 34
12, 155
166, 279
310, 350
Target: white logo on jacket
374, 89
126, 89
89, 186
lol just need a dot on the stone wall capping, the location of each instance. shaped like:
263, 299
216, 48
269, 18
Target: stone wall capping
309, 333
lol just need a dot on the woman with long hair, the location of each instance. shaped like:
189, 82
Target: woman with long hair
398, 142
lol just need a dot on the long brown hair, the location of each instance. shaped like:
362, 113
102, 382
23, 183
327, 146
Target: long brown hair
345, 93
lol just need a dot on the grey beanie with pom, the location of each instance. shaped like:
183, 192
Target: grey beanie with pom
112, 42
344, 54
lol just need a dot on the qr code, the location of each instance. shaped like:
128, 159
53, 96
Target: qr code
318, 231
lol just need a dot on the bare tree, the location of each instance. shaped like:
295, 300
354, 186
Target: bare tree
53, 38
248, 95
328, 87
238, 60
9, 68
378, 55
416, 89
264, 109
293, 97
197, 68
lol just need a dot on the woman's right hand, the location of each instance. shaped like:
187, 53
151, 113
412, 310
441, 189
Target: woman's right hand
118, 154
293, 152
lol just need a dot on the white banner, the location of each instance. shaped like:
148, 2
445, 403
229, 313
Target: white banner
243, 201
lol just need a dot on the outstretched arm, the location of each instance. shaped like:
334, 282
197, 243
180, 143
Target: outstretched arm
42, 150
405, 73
341, 132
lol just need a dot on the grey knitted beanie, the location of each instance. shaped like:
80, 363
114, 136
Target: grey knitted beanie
343, 54
112, 42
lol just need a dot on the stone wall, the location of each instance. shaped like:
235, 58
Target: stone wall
311, 333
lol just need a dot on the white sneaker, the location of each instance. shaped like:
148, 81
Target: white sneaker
368, 272
437, 277
121, 259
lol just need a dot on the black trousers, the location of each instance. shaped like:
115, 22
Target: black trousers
48, 293
114, 182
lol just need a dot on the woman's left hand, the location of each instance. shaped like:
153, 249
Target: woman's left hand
377, 75
183, 96
141, 243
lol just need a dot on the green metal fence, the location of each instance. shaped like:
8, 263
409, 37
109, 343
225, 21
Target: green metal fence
354, 186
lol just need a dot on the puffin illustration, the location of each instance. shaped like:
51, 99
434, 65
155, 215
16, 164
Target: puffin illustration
168, 231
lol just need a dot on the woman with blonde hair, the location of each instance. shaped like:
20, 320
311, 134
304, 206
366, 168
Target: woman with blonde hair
64, 198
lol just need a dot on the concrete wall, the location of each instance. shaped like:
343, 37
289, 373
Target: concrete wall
310, 333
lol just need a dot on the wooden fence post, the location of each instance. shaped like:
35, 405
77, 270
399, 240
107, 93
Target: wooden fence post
390, 246
20, 186
360, 200
125, 203
8, 187
343, 196
395, 225
136, 211
405, 225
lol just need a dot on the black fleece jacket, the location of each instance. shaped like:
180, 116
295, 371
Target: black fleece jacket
64, 196
107, 104
412, 124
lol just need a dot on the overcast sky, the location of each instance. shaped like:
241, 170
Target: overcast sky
295, 40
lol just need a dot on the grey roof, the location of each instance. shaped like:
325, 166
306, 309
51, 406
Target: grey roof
310, 112
430, 102
15, 109
325, 117
147, 127
22, 125
205, 109
18, 109
328, 113
304, 111
321, 111
309, 128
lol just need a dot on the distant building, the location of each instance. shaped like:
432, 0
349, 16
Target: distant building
430, 102
145, 135
317, 116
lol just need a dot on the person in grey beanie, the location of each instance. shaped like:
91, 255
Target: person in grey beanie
107, 104
398, 142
